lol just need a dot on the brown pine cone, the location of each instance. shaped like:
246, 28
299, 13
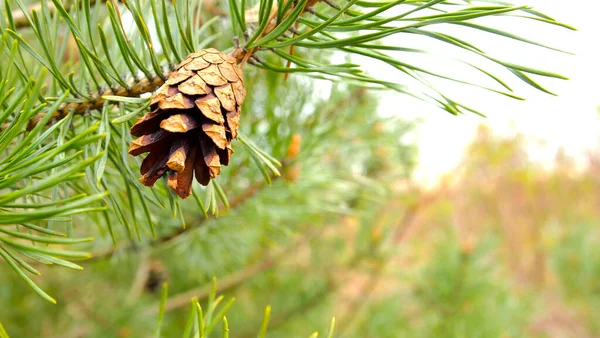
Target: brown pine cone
193, 118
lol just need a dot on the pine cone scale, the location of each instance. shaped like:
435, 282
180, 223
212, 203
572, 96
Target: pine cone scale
212, 76
217, 134
157, 169
193, 86
181, 180
194, 117
239, 91
211, 159
179, 123
197, 64
179, 153
228, 72
150, 161
225, 155
147, 143
214, 58
177, 101
233, 122
146, 124
201, 169
179, 76
225, 95
210, 107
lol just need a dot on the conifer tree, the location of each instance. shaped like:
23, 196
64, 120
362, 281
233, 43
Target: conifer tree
250, 98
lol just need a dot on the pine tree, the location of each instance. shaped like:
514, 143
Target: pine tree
311, 155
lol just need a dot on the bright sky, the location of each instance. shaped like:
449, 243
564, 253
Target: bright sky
569, 120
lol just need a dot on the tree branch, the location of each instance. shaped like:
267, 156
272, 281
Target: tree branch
136, 89
139, 87
236, 202
226, 283
236, 278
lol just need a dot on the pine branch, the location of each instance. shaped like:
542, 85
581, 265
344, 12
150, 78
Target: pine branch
146, 85
238, 201
269, 260
96, 102
276, 21
204, 323
226, 283
243, 54
304, 306
337, 27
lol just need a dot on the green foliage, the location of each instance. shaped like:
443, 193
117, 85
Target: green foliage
70, 85
435, 284
201, 325
454, 294
340, 172
576, 261
38, 171
577, 264
356, 27
3, 333
464, 288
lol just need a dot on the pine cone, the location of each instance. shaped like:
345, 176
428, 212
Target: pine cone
193, 118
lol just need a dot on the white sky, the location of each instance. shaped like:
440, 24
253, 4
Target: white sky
569, 120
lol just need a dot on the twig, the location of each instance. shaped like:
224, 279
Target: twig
242, 55
140, 279
289, 62
226, 283
136, 89
234, 279
332, 4
237, 201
